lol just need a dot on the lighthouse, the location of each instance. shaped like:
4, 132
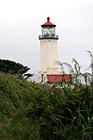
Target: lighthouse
48, 50
48, 72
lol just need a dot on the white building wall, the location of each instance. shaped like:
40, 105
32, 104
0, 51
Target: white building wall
48, 56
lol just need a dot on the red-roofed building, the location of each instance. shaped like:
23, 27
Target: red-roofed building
55, 78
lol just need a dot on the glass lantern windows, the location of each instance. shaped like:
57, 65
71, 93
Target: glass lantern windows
48, 31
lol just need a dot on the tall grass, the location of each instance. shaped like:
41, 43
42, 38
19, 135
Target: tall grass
30, 111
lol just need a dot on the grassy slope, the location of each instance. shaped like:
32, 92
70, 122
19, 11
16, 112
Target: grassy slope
29, 111
14, 97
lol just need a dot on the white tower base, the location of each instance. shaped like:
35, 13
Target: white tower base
48, 56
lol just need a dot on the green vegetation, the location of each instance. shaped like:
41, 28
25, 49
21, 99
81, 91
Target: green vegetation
12, 67
30, 111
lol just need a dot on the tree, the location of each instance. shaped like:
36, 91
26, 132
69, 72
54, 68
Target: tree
12, 67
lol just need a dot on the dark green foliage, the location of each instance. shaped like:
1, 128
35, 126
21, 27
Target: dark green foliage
30, 111
12, 67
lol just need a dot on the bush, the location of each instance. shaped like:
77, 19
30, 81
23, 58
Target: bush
30, 111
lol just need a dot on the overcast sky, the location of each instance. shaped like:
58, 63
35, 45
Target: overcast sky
20, 25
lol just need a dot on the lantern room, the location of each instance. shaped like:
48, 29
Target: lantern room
48, 30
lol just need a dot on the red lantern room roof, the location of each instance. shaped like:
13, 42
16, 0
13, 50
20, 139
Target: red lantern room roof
48, 23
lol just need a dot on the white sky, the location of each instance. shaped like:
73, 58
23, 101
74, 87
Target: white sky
20, 22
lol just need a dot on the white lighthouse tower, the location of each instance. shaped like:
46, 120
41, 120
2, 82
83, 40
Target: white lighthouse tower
48, 56
48, 51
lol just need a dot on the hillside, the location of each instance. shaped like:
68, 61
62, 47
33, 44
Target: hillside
30, 111
14, 97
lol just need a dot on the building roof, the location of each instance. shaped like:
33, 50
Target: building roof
48, 23
54, 78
